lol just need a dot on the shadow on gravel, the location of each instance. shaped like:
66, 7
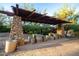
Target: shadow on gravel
28, 48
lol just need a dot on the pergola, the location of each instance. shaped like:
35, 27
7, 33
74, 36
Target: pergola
32, 16
20, 14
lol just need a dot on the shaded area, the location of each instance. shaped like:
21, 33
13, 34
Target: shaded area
41, 45
33, 47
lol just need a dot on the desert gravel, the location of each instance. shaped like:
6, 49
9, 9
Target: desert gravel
60, 47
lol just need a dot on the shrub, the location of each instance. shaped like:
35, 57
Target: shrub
4, 29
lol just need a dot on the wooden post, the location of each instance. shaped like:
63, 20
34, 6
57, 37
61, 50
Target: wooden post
17, 6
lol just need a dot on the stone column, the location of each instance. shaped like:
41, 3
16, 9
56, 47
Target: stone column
60, 31
16, 32
63, 31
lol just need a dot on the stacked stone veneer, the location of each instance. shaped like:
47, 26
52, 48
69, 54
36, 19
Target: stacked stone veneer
16, 32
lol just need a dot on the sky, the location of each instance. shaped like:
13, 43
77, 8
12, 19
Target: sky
51, 8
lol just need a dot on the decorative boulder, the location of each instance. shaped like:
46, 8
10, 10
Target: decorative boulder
20, 42
10, 46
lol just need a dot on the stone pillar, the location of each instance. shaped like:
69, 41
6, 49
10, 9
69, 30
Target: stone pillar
16, 32
63, 31
60, 31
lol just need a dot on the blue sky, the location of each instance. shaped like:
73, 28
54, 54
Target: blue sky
51, 8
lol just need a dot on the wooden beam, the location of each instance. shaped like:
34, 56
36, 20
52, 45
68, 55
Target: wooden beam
7, 13
43, 15
40, 17
31, 13
17, 6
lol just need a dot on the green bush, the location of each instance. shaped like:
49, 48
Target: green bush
77, 34
30, 29
4, 29
36, 29
75, 28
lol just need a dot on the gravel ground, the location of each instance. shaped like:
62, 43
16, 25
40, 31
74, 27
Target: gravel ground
59, 47
2, 45
62, 47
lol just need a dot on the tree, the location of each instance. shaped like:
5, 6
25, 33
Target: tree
2, 17
4, 22
67, 13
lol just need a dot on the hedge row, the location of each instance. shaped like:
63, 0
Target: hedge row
30, 29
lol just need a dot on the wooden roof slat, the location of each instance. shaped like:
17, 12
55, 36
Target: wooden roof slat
32, 16
7, 13
39, 17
